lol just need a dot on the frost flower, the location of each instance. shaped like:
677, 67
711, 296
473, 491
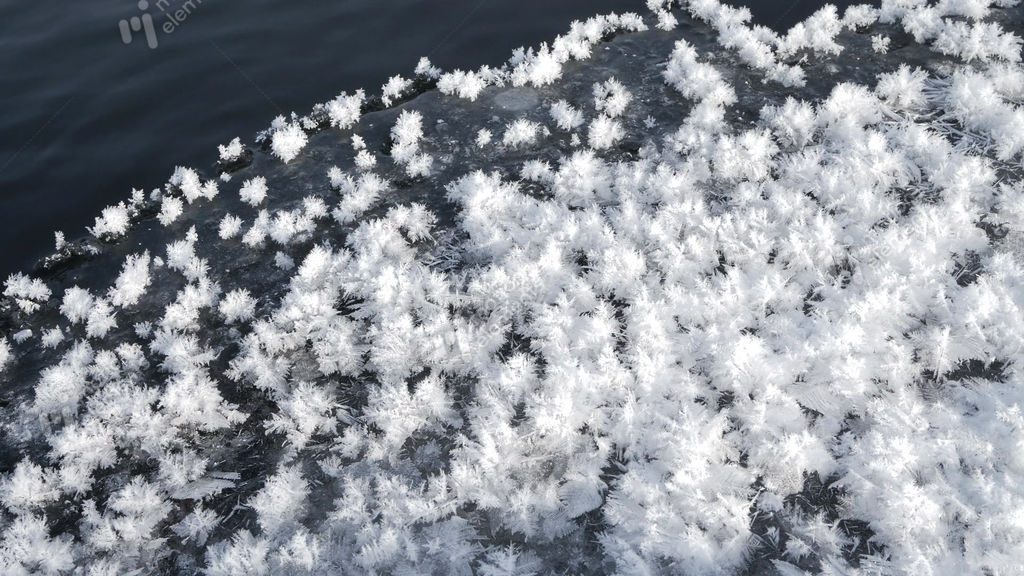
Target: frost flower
521, 132
232, 151
237, 306
288, 140
254, 191
113, 223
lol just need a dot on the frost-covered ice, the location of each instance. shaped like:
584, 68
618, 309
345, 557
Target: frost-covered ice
670, 294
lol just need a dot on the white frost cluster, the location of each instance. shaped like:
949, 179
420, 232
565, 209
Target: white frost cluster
543, 66
427, 69
604, 132
101, 318
817, 33
483, 138
662, 9
406, 135
787, 342
52, 338
231, 151
191, 186
28, 293
345, 110
76, 304
254, 191
113, 223
357, 194
230, 226
611, 98
880, 44
133, 281
171, 208
521, 132
566, 117
237, 306
288, 139
466, 85
394, 89
365, 160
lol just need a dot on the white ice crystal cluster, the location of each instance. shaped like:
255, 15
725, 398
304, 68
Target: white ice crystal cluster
288, 140
780, 342
406, 136
231, 151
345, 110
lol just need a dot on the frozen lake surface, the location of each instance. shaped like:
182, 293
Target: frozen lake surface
668, 294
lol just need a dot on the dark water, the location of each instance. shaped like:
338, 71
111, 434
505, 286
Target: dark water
84, 118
